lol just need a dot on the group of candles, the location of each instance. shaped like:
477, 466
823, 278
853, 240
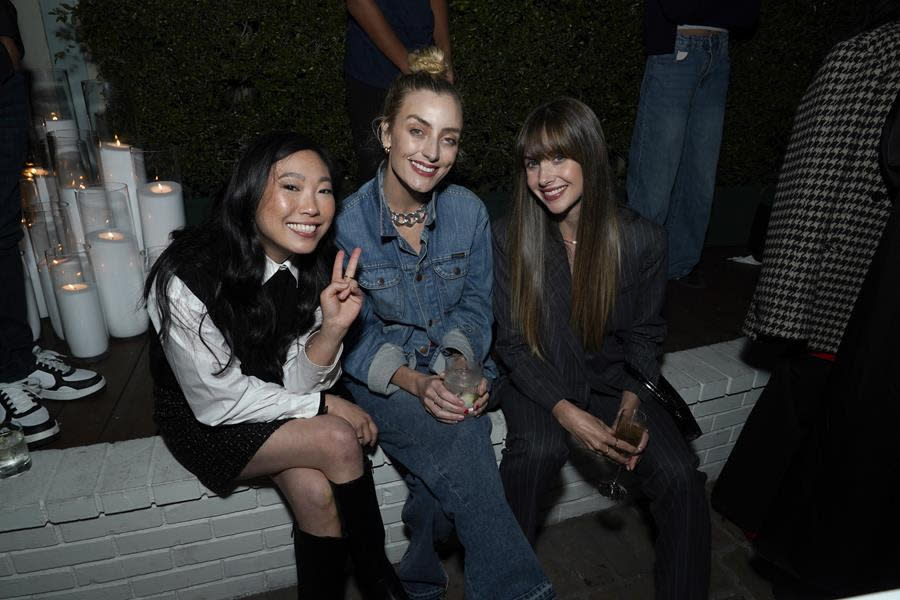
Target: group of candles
85, 239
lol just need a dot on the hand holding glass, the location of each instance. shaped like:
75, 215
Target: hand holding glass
630, 427
462, 379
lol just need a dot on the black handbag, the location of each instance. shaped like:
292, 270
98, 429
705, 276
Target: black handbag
671, 400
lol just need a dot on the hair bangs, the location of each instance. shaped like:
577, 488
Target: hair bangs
547, 134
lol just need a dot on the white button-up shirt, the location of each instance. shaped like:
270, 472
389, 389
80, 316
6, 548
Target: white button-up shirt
231, 396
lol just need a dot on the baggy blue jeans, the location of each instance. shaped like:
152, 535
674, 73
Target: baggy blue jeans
453, 481
675, 144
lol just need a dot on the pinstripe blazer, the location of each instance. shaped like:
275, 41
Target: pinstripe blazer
635, 330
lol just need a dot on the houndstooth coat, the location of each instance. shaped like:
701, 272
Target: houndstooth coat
831, 203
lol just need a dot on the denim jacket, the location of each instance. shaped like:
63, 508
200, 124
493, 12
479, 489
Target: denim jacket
417, 306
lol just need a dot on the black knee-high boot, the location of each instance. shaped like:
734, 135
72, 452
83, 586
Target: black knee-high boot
361, 518
320, 566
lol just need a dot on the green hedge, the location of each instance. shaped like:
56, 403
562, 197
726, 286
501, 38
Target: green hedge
209, 75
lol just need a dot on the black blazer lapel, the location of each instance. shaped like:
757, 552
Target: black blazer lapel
564, 347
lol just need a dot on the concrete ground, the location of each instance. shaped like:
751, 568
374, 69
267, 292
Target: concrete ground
609, 556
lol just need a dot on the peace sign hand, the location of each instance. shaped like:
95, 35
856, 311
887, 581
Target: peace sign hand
342, 299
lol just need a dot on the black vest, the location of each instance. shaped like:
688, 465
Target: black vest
283, 290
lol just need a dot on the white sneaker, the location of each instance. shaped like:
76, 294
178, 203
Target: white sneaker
20, 403
61, 381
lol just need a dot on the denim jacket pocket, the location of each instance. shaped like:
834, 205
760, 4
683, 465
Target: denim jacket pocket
452, 273
382, 286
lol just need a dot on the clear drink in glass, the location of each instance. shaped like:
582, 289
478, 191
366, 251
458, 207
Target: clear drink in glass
14, 457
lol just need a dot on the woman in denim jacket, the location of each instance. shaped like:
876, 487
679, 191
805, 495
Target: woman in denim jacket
426, 272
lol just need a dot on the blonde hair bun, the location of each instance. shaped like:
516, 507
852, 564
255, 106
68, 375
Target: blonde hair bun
428, 60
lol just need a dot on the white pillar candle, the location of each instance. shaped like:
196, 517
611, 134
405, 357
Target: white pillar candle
120, 279
82, 318
50, 298
34, 316
31, 267
162, 211
118, 166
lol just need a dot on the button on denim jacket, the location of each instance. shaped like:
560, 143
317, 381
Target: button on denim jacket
417, 307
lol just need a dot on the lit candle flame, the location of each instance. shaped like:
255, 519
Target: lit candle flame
118, 143
111, 235
74, 287
54, 116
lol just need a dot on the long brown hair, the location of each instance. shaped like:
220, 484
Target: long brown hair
569, 128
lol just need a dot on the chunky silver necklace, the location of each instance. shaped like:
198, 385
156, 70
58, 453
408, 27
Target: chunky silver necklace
408, 219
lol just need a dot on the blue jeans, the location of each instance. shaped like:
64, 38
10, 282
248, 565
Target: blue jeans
675, 143
453, 481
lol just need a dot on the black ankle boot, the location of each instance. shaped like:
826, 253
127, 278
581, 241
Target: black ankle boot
320, 566
361, 518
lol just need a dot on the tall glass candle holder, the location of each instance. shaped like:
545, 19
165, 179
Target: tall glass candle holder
38, 186
118, 166
76, 162
97, 98
118, 268
25, 248
150, 255
79, 304
51, 102
161, 197
48, 230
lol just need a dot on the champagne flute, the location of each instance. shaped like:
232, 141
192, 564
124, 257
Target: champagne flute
630, 426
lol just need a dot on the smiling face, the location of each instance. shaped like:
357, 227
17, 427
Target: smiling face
423, 140
297, 206
557, 182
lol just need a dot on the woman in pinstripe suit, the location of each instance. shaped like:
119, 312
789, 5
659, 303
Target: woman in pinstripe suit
579, 284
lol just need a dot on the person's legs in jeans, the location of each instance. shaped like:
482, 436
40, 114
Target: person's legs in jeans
658, 137
16, 358
422, 513
695, 183
458, 466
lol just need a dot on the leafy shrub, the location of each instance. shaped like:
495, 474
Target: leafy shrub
209, 75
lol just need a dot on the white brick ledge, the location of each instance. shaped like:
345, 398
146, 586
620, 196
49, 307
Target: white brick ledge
125, 520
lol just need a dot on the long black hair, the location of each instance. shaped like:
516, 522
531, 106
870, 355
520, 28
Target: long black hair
225, 262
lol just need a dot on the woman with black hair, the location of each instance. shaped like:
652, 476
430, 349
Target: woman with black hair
250, 317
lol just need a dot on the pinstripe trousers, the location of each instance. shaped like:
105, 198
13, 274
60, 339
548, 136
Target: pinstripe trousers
537, 447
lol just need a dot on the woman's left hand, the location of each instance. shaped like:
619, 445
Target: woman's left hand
342, 299
481, 402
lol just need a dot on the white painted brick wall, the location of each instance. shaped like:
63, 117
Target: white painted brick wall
125, 520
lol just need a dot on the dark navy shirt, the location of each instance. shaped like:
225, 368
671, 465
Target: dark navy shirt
661, 17
412, 22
